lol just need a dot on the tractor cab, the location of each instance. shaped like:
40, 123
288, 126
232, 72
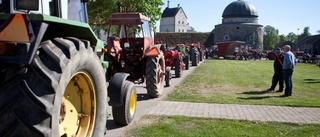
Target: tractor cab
131, 30
68, 9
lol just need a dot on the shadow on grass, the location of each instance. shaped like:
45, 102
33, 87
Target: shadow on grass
255, 92
261, 97
311, 81
255, 97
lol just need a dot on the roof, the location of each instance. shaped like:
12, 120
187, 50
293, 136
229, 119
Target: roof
171, 12
127, 19
240, 8
283, 43
231, 42
313, 39
310, 39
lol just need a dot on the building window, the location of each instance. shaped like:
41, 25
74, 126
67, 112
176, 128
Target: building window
178, 30
178, 22
183, 30
226, 37
182, 22
237, 27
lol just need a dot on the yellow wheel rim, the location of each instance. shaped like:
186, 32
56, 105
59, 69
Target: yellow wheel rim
78, 108
133, 100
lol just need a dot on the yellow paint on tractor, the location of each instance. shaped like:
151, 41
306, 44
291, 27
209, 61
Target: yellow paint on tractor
15, 29
78, 108
133, 100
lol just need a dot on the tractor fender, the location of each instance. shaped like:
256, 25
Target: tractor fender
153, 51
177, 55
114, 89
19, 29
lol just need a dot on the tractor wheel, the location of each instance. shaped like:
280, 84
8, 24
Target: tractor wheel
124, 114
177, 68
186, 61
168, 77
200, 55
61, 93
194, 59
154, 75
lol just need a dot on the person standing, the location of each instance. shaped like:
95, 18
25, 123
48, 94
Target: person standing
278, 72
288, 67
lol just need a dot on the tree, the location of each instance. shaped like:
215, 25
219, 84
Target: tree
292, 37
193, 30
306, 32
318, 31
270, 37
283, 38
100, 10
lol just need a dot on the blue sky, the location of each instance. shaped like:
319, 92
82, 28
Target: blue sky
285, 15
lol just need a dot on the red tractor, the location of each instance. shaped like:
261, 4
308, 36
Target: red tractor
174, 60
131, 49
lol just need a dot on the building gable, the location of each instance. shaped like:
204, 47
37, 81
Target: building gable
172, 12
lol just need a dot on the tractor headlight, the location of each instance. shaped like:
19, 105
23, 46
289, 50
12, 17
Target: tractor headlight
126, 45
122, 62
27, 5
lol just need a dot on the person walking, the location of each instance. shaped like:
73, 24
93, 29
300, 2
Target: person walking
288, 67
278, 72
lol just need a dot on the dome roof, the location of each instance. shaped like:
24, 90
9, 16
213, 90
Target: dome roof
240, 8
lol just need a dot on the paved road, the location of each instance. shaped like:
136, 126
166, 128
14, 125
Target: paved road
235, 111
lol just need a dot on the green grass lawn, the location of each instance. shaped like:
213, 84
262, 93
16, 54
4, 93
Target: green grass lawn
234, 82
245, 82
181, 126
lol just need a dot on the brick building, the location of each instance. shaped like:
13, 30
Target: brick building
240, 23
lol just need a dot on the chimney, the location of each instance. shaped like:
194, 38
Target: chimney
178, 5
168, 4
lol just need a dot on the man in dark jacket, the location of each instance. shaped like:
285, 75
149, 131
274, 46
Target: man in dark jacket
278, 72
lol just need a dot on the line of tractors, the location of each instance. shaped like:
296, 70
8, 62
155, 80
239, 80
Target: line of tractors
179, 58
57, 78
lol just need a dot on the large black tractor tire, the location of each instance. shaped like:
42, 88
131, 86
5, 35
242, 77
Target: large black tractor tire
124, 114
63, 88
186, 60
168, 77
194, 58
155, 68
177, 68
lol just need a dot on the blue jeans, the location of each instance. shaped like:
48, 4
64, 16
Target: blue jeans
288, 81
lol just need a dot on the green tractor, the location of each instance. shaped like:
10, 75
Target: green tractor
53, 78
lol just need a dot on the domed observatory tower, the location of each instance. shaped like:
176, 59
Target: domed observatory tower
240, 23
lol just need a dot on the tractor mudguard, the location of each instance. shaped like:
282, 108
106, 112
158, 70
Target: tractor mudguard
25, 35
153, 51
114, 89
177, 55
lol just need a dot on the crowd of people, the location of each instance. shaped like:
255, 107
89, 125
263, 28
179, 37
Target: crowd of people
241, 54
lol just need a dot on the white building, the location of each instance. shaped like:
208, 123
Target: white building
173, 20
